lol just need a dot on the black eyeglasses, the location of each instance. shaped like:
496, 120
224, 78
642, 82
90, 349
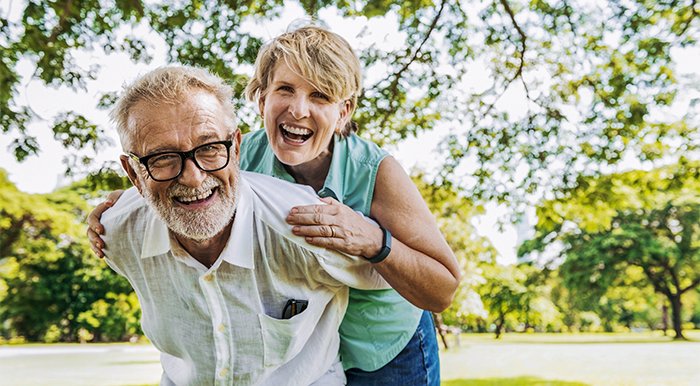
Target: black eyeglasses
168, 165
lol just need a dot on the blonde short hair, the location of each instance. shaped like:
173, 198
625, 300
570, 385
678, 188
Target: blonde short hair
168, 85
323, 58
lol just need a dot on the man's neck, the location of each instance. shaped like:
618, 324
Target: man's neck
206, 251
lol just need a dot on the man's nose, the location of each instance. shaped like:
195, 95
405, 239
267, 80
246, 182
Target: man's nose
191, 175
299, 108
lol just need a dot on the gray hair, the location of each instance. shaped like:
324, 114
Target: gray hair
168, 85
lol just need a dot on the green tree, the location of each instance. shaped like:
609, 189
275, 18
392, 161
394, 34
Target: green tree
504, 294
628, 304
454, 214
644, 221
595, 76
516, 296
49, 275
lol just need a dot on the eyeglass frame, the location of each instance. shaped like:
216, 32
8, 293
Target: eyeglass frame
184, 156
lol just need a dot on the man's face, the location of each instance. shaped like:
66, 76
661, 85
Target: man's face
198, 204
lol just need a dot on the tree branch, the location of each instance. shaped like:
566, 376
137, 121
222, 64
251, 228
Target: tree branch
521, 54
393, 87
523, 38
693, 14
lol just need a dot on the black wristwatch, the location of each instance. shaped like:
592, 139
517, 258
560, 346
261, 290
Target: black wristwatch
386, 247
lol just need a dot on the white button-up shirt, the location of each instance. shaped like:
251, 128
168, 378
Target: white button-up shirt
222, 325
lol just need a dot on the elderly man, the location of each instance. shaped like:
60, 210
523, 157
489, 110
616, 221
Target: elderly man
229, 295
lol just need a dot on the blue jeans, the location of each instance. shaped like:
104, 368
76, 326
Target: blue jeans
418, 364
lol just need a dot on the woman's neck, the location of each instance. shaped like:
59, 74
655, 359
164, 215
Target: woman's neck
314, 172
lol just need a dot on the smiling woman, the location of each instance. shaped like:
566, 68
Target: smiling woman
300, 120
306, 84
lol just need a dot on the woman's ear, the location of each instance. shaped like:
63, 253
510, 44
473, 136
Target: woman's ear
344, 117
261, 107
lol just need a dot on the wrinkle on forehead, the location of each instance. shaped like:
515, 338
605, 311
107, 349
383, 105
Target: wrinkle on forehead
158, 127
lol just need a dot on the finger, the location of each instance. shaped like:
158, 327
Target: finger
114, 196
305, 209
326, 242
320, 231
93, 219
330, 201
310, 219
97, 251
95, 240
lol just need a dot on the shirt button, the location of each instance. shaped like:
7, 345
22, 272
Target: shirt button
221, 327
208, 277
224, 372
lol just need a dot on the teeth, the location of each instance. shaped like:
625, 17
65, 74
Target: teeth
200, 196
297, 130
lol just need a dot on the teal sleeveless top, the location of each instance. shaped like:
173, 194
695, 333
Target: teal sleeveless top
378, 323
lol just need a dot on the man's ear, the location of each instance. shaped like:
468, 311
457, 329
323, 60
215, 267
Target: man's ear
130, 172
237, 143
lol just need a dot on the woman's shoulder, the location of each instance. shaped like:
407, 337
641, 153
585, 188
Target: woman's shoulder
363, 150
253, 148
254, 138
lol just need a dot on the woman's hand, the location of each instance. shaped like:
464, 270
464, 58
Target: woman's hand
336, 226
95, 228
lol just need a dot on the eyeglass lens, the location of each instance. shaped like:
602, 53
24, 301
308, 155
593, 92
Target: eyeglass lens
208, 157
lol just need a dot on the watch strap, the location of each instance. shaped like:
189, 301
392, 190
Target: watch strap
386, 247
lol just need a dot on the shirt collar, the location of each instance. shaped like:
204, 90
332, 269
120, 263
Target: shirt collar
332, 186
239, 247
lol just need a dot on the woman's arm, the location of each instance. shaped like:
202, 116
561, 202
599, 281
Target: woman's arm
421, 266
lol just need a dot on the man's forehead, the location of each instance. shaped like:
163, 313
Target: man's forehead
171, 127
180, 141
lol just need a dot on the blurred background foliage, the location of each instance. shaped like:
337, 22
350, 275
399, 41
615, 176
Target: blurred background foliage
615, 247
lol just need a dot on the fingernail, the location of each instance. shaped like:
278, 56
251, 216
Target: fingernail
295, 229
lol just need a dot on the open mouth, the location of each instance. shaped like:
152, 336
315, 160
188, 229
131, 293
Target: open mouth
196, 199
295, 134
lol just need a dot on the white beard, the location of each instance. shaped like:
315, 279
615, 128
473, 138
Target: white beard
200, 224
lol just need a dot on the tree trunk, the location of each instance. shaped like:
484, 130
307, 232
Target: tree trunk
441, 328
664, 318
500, 322
676, 308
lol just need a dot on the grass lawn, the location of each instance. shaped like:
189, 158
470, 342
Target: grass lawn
634, 359
630, 359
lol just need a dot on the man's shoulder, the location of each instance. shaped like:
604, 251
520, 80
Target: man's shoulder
129, 203
129, 216
279, 192
273, 198
125, 226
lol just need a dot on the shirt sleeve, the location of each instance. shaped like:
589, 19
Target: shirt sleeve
123, 224
353, 271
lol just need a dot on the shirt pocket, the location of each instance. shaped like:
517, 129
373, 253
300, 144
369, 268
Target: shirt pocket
283, 339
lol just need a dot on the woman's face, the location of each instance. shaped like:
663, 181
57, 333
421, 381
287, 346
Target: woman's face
300, 121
